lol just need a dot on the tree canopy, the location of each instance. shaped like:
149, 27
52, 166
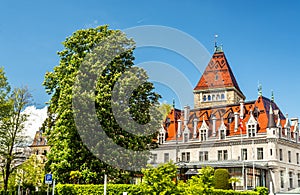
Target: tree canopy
101, 112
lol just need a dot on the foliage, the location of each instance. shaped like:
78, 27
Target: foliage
68, 152
31, 172
262, 190
234, 180
202, 182
165, 109
221, 179
118, 189
12, 140
159, 180
112, 189
231, 192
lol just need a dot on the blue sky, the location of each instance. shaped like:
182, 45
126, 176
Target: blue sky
260, 39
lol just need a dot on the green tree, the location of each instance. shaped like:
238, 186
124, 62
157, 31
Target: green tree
221, 179
159, 180
12, 121
68, 152
165, 109
233, 181
201, 182
31, 172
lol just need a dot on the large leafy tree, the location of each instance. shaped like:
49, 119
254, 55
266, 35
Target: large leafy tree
12, 139
102, 76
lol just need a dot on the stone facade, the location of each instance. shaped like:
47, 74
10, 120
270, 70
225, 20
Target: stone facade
225, 131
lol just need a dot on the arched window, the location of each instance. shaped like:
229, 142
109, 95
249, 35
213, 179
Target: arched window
213, 97
204, 98
218, 97
222, 96
209, 98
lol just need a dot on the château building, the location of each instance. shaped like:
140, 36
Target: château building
254, 140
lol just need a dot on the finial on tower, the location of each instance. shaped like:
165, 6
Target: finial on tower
217, 48
259, 89
272, 95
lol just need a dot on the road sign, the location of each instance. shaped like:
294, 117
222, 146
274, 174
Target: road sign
48, 179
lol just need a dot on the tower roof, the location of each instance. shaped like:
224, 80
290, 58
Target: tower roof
217, 74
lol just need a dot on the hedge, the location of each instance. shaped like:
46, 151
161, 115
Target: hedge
118, 189
111, 189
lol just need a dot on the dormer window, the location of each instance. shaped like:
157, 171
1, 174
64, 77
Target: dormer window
162, 136
203, 135
222, 131
251, 126
203, 131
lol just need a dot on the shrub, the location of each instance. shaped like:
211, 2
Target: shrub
262, 190
221, 179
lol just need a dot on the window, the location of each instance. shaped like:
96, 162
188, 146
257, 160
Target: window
271, 152
225, 155
218, 97
280, 154
185, 137
185, 156
222, 134
166, 157
222, 155
260, 153
291, 179
213, 97
217, 77
204, 98
289, 156
203, 134
244, 154
222, 96
161, 139
208, 98
154, 158
219, 154
203, 156
251, 130
298, 179
281, 179
297, 158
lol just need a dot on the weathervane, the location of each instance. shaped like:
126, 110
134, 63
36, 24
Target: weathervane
216, 36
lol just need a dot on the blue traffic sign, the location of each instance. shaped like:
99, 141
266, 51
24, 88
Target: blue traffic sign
48, 179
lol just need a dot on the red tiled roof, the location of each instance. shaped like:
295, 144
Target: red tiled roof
217, 74
259, 108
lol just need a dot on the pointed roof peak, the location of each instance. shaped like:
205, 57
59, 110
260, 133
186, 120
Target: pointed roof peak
218, 74
271, 121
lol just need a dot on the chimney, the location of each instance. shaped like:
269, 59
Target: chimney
236, 121
186, 114
214, 125
195, 127
242, 109
179, 128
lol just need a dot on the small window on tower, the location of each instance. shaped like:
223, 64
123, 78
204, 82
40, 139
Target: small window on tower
222, 96
217, 77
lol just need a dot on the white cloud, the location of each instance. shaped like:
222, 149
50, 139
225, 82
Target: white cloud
35, 120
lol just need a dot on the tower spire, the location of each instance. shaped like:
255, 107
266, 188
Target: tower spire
271, 121
259, 89
272, 95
